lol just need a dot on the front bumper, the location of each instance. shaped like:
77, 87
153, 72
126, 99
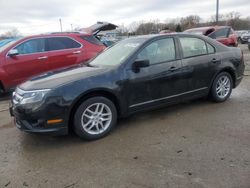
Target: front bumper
36, 122
245, 40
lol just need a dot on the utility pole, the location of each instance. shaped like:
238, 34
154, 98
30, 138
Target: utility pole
217, 12
71, 27
60, 20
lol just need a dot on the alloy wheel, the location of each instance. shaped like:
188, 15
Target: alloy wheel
96, 118
223, 87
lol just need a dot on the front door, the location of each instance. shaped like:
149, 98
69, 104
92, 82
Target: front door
29, 61
159, 83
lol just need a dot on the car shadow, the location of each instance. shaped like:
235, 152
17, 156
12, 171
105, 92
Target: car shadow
36, 141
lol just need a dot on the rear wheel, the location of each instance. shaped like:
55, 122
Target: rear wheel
95, 118
222, 87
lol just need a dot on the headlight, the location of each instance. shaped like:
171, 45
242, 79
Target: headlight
29, 97
33, 96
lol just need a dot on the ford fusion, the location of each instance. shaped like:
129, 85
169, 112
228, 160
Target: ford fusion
136, 74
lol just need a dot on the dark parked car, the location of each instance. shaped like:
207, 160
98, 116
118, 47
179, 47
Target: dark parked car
223, 34
135, 74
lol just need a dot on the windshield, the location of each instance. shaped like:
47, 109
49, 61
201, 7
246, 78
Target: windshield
6, 43
118, 53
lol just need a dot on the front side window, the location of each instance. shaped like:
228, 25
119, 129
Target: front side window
158, 51
31, 46
193, 47
61, 43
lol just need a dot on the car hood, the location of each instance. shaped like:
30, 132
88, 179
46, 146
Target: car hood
57, 78
99, 26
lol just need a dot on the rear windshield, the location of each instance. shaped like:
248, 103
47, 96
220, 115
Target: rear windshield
92, 39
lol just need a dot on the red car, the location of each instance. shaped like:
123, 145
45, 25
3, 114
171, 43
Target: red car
224, 34
24, 58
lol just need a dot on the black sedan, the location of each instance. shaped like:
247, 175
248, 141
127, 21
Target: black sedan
136, 74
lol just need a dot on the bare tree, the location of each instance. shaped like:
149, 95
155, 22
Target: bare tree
190, 21
11, 34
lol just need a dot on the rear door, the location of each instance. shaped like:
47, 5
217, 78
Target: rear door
63, 52
29, 62
199, 61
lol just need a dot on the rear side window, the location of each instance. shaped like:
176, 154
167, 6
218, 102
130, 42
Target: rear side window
193, 46
31, 46
92, 40
61, 43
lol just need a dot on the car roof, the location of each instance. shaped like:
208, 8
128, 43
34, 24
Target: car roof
207, 28
168, 34
58, 34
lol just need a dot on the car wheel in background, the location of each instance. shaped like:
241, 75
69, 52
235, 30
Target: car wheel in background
222, 87
95, 118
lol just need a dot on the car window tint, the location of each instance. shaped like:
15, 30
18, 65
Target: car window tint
60, 43
31, 46
91, 39
210, 49
193, 46
159, 51
221, 33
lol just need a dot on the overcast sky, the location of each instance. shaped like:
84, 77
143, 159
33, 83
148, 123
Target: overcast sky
39, 16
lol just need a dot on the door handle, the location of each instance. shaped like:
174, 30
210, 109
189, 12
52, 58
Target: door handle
172, 69
77, 52
42, 57
214, 60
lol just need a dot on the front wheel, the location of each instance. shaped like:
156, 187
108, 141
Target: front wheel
222, 87
95, 118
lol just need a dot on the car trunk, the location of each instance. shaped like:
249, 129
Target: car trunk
99, 26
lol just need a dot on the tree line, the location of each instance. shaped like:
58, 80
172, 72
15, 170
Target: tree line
232, 19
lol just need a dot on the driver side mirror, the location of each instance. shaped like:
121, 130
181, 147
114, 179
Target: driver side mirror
140, 64
13, 52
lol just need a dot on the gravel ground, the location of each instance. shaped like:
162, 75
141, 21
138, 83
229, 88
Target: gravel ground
197, 144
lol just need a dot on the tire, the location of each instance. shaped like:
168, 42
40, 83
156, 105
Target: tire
90, 124
222, 87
